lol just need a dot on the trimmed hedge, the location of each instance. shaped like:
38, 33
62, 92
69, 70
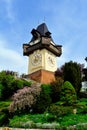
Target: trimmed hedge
68, 94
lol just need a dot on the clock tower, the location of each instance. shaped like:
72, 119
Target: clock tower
42, 53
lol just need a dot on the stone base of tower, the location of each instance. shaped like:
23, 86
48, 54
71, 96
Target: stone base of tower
42, 76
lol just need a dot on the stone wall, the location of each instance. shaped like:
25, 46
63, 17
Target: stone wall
42, 76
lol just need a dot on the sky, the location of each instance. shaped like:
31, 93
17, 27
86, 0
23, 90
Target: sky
65, 19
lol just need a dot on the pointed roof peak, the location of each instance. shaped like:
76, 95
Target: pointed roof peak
43, 30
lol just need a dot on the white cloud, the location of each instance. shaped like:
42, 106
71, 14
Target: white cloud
64, 57
8, 10
11, 59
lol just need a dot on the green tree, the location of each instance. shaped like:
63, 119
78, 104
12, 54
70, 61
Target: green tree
9, 85
72, 73
6, 81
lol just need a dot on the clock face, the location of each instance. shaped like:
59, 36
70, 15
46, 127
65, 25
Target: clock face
51, 60
36, 59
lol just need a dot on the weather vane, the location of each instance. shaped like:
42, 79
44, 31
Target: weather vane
44, 19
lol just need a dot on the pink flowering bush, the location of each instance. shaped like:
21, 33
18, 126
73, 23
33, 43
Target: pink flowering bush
25, 98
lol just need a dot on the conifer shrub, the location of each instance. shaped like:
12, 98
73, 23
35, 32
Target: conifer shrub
44, 99
56, 89
24, 99
68, 94
72, 72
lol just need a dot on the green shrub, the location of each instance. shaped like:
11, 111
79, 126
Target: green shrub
83, 100
46, 120
4, 104
26, 83
68, 94
6, 81
3, 118
43, 100
81, 126
81, 109
59, 111
9, 85
4, 113
18, 84
56, 89
28, 120
1, 90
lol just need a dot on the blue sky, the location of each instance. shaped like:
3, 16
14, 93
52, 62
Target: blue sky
65, 19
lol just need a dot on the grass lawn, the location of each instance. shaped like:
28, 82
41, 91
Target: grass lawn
4, 104
48, 121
